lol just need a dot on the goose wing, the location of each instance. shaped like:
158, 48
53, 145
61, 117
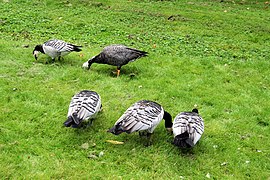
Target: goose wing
85, 103
143, 115
120, 54
59, 46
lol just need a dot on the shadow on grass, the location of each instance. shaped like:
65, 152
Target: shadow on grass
127, 71
63, 61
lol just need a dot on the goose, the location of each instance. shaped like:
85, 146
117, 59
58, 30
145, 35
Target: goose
116, 55
142, 116
55, 48
83, 106
187, 128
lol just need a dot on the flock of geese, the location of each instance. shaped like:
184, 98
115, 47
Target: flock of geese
143, 116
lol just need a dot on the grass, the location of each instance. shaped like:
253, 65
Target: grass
210, 53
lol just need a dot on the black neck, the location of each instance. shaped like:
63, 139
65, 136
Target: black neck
195, 110
168, 119
100, 59
39, 48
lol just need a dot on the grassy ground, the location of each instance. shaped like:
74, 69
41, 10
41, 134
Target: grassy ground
210, 53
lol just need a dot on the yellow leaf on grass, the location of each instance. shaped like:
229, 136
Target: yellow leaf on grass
114, 142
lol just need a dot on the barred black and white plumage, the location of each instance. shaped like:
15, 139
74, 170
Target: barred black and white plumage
188, 128
55, 48
143, 115
83, 106
116, 55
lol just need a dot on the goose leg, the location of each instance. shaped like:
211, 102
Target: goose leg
149, 139
90, 123
118, 70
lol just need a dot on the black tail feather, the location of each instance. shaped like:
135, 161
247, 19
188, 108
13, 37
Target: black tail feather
116, 130
142, 53
76, 48
183, 141
68, 122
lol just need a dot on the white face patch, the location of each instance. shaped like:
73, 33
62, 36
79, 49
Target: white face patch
36, 53
85, 65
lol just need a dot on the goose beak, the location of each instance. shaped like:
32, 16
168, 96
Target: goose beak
35, 53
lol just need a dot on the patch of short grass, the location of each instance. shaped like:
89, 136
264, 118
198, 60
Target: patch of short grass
210, 53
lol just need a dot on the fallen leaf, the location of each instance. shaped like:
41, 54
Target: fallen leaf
101, 154
85, 146
208, 175
92, 156
114, 142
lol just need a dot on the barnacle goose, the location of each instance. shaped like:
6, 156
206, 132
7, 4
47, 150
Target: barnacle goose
143, 116
55, 48
83, 106
187, 128
116, 55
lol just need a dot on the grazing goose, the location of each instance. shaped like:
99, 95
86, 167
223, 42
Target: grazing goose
83, 106
188, 128
144, 116
116, 55
55, 48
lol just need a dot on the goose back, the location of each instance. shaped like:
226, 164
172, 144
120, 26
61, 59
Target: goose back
142, 115
189, 126
118, 55
84, 105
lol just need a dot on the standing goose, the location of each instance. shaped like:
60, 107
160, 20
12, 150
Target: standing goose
55, 48
144, 115
116, 55
188, 128
83, 106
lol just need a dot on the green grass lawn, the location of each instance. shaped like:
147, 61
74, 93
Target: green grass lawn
209, 53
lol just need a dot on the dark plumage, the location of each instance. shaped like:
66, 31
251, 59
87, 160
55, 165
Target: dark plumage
83, 106
187, 129
116, 55
55, 48
142, 116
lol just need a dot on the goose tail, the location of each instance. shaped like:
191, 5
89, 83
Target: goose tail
116, 130
183, 140
76, 48
141, 53
68, 122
